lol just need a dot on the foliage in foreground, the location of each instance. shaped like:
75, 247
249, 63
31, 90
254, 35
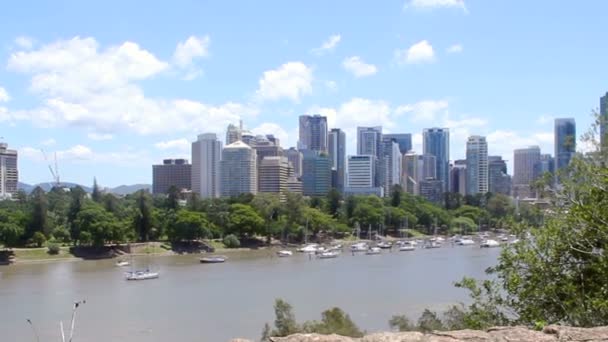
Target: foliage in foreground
333, 321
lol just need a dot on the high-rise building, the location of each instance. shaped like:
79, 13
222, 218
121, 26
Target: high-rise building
436, 141
238, 170
9, 173
361, 176
316, 173
295, 159
172, 172
294, 185
432, 190
499, 181
265, 147
547, 164
427, 166
403, 139
458, 177
565, 142
206, 157
525, 171
313, 133
409, 178
368, 141
233, 133
247, 137
389, 166
272, 176
337, 156
477, 165
604, 122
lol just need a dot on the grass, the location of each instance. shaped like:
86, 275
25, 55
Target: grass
413, 233
30, 254
217, 244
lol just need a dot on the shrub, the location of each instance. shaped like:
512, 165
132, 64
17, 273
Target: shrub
38, 239
231, 241
53, 249
61, 234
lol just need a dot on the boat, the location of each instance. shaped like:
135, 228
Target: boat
384, 245
142, 275
328, 255
465, 242
373, 251
284, 253
489, 243
122, 263
310, 248
359, 247
337, 247
407, 246
321, 249
216, 259
504, 239
433, 244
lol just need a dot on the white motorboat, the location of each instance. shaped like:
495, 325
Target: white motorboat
504, 239
359, 247
328, 255
433, 244
373, 251
310, 248
465, 242
384, 245
215, 259
337, 247
489, 243
407, 247
122, 263
142, 275
284, 253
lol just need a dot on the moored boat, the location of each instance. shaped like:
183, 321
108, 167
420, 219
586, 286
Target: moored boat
433, 244
407, 246
384, 245
122, 263
465, 242
359, 247
373, 251
284, 253
216, 259
489, 243
142, 275
328, 255
310, 248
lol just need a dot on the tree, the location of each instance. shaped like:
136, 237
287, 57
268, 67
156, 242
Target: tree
400, 323
429, 321
245, 221
10, 233
38, 239
96, 194
143, 215
39, 219
100, 226
285, 321
231, 241
77, 199
334, 321
268, 206
463, 225
499, 206
334, 199
188, 226
172, 198
396, 194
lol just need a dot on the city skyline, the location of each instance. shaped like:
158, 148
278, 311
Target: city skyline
411, 71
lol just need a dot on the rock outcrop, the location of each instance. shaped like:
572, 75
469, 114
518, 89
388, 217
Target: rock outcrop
552, 333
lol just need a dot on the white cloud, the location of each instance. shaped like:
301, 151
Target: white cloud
193, 47
4, 97
331, 85
435, 4
545, 119
99, 136
24, 42
426, 110
358, 67
291, 80
81, 154
417, 142
82, 85
328, 45
48, 142
456, 48
177, 144
421, 52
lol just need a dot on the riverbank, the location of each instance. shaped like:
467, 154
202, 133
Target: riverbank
549, 334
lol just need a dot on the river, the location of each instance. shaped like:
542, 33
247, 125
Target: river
203, 302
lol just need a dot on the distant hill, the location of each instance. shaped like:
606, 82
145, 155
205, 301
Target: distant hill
119, 190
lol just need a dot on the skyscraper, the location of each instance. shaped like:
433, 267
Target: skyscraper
272, 176
427, 166
409, 179
172, 172
565, 142
295, 159
547, 164
403, 139
337, 156
431, 189
361, 176
458, 177
499, 182
265, 147
313, 133
389, 166
233, 133
368, 141
604, 122
477, 165
436, 141
525, 171
316, 173
238, 170
9, 174
206, 157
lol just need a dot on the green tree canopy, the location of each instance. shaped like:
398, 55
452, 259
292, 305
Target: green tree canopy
244, 220
188, 226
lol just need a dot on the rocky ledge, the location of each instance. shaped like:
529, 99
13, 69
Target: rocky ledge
497, 334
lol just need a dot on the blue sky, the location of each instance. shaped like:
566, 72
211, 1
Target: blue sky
115, 86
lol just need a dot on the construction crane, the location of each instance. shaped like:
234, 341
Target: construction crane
54, 171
